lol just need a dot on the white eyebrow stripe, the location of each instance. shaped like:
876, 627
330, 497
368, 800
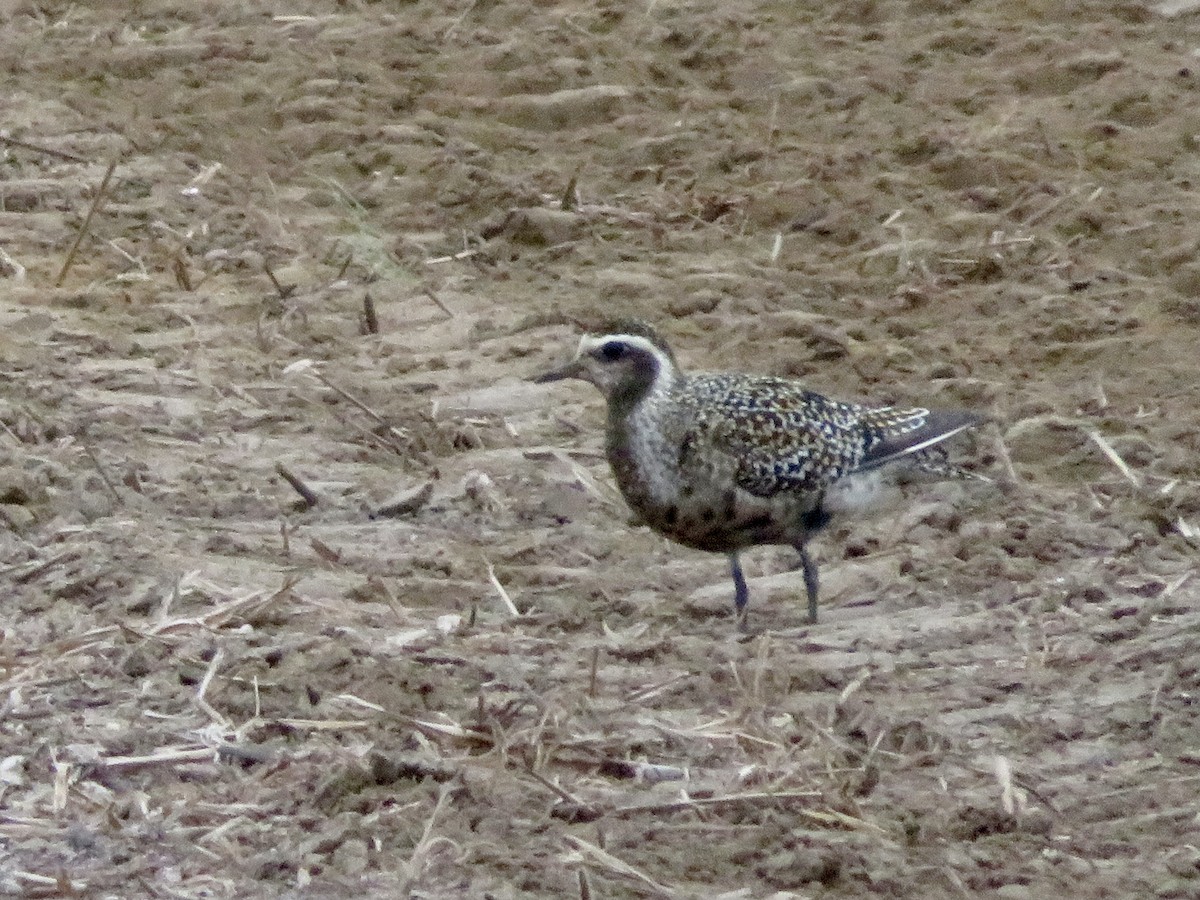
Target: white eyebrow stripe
588, 343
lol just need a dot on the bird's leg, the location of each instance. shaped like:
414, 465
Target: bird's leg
741, 593
810, 581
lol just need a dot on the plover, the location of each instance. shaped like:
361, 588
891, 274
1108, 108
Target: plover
724, 462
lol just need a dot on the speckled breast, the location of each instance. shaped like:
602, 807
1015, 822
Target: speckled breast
706, 511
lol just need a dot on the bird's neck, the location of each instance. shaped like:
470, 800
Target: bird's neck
657, 379
638, 443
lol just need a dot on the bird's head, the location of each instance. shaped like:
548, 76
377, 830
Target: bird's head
624, 362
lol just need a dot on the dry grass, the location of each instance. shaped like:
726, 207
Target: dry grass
335, 247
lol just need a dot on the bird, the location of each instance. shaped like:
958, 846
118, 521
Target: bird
723, 462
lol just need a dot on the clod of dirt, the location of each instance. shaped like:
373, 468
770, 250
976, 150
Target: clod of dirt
565, 109
405, 503
536, 227
19, 488
803, 865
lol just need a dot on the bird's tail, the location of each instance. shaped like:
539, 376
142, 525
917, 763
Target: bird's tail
913, 433
935, 462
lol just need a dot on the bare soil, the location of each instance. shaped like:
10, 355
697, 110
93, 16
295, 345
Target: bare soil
504, 688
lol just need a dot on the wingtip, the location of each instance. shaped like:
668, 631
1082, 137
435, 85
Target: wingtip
938, 426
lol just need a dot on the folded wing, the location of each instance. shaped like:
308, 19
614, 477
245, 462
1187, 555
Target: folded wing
778, 437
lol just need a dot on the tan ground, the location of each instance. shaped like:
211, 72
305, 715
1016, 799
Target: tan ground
991, 204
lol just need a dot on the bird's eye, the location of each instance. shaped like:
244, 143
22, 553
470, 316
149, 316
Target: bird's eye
612, 351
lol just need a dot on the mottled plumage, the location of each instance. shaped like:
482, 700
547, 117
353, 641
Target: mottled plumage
722, 462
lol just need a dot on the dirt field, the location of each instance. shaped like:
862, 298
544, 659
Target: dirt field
504, 688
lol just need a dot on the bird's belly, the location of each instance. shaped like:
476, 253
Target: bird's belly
701, 508
723, 521
862, 492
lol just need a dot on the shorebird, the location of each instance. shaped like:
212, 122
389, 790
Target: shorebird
723, 462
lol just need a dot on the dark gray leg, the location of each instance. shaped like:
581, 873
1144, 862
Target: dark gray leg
810, 581
741, 593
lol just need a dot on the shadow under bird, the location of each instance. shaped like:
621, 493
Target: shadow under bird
723, 462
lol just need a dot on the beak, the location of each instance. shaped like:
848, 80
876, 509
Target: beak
570, 370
